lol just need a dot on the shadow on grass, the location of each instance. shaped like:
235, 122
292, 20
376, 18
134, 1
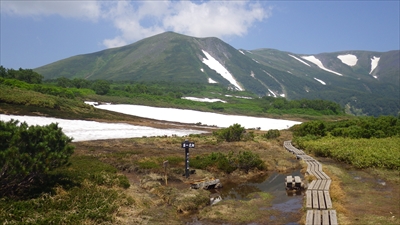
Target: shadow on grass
46, 184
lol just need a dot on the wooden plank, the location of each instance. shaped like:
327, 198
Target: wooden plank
315, 199
322, 185
297, 181
327, 185
332, 217
308, 199
311, 186
328, 200
320, 175
310, 167
325, 217
289, 182
317, 165
321, 199
325, 177
317, 217
317, 184
310, 217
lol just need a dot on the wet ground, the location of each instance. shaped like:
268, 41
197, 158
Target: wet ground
284, 203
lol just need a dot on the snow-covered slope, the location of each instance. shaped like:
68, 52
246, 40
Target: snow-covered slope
317, 62
219, 68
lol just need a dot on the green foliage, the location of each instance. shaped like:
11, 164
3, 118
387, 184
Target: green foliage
361, 153
230, 162
47, 89
315, 128
230, 134
101, 87
149, 165
248, 136
86, 184
359, 127
247, 160
363, 141
89, 168
28, 152
272, 134
26, 75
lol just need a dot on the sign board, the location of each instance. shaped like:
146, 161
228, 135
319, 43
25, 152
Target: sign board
187, 144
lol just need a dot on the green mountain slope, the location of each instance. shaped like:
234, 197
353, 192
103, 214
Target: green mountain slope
370, 86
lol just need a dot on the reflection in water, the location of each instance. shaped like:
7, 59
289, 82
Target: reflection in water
285, 204
273, 184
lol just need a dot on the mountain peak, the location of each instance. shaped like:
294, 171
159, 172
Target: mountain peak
174, 57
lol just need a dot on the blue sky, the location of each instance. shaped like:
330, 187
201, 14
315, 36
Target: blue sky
35, 33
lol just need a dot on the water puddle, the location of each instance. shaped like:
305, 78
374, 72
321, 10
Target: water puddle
273, 184
284, 203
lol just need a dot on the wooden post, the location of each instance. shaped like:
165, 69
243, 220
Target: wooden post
186, 144
165, 165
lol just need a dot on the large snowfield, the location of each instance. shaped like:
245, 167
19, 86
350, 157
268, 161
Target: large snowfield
81, 130
205, 118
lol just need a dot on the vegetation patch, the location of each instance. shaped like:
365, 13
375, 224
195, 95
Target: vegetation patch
243, 160
361, 153
86, 192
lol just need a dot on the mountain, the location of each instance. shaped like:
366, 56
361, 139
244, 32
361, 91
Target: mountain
365, 82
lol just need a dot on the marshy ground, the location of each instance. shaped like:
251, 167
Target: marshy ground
360, 196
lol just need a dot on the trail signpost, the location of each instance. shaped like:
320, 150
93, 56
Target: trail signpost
186, 144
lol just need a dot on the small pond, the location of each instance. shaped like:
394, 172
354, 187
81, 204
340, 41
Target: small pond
286, 202
272, 183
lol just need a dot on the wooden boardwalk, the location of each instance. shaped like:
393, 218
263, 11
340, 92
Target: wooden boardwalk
318, 200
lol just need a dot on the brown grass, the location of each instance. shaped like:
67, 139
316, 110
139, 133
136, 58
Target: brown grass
360, 198
150, 204
357, 201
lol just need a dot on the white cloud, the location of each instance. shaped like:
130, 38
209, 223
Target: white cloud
70, 9
199, 19
216, 18
135, 20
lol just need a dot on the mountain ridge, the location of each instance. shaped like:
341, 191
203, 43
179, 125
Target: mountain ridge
344, 76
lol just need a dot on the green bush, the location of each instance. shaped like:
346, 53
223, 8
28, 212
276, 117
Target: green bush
316, 128
271, 134
84, 192
361, 153
359, 127
230, 162
28, 152
230, 134
247, 160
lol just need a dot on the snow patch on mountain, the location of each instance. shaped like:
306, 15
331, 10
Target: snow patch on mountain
239, 96
322, 82
211, 81
241, 52
374, 64
272, 93
349, 59
299, 60
255, 61
215, 65
317, 62
204, 99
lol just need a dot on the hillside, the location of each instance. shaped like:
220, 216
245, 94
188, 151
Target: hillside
364, 82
